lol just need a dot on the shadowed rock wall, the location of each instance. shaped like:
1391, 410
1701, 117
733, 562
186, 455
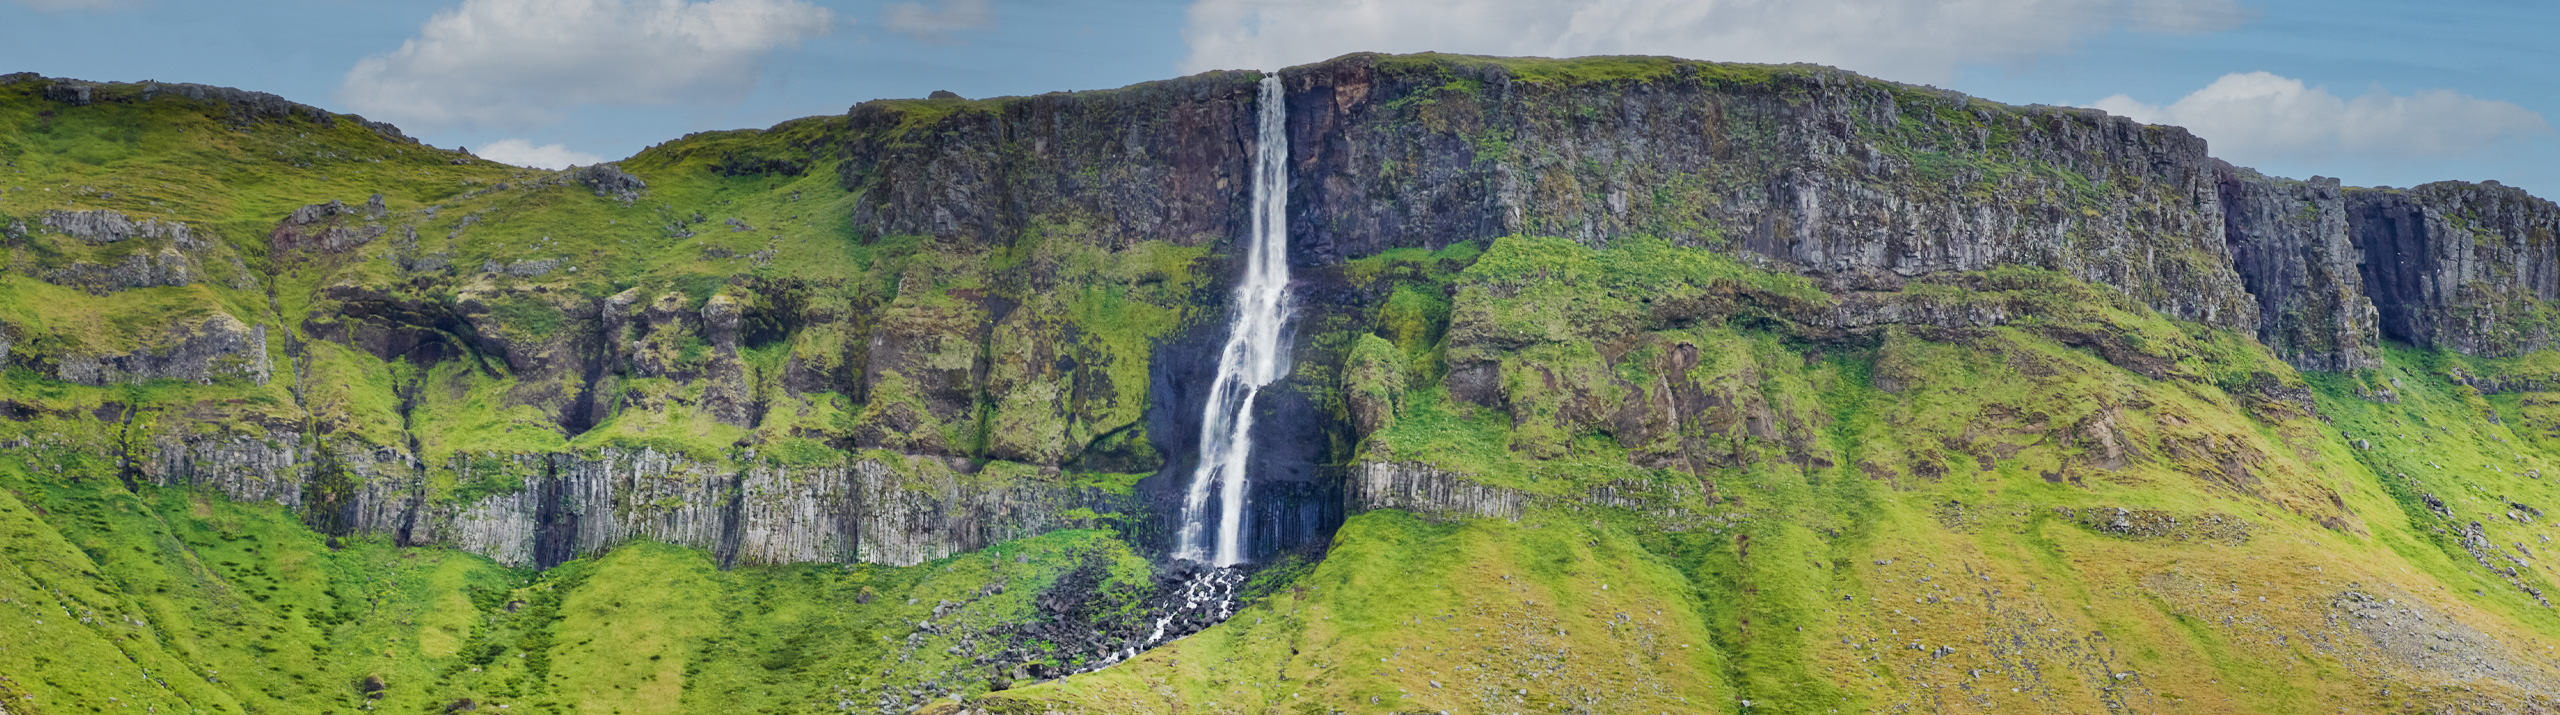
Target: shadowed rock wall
976, 353
2460, 266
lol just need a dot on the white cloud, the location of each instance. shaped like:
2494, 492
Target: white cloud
523, 63
914, 19
523, 153
2254, 117
1916, 40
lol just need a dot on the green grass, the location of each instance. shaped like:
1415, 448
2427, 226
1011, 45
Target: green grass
1915, 543
1589, 70
1896, 523
1812, 520
1485, 608
173, 600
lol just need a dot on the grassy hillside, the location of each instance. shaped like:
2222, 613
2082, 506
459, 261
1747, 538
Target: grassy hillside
167, 599
1975, 520
1642, 477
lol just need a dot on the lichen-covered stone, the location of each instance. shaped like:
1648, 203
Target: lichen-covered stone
323, 228
104, 226
609, 180
141, 269
202, 351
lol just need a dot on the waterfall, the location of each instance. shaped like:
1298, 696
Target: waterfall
1256, 353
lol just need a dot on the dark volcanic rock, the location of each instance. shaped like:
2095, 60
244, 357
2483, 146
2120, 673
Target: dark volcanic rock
1160, 161
1849, 180
2460, 266
2289, 242
609, 180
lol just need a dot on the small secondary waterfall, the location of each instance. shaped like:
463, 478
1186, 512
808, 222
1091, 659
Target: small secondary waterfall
1256, 354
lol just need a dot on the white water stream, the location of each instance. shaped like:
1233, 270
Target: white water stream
1256, 354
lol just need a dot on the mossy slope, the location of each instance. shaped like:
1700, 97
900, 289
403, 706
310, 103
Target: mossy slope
2087, 508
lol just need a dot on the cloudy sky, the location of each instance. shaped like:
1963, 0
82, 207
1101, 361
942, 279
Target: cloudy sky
2377, 93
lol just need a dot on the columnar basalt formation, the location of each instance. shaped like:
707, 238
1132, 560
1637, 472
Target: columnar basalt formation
1858, 183
540, 510
2290, 243
2460, 266
1612, 385
1003, 335
1163, 161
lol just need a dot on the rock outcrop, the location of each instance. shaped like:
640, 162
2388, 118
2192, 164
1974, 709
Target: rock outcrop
201, 351
610, 181
142, 269
2290, 243
1060, 260
1157, 161
1441, 495
1431, 492
1694, 350
103, 226
1855, 182
324, 228
2460, 266
243, 107
543, 509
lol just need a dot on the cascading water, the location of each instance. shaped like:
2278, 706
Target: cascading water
1202, 592
1256, 354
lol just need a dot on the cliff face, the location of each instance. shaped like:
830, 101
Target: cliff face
541, 510
1034, 282
2459, 266
1162, 161
1706, 367
1857, 183
2290, 243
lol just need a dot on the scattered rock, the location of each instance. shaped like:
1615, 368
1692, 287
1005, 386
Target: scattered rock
610, 181
104, 226
2152, 524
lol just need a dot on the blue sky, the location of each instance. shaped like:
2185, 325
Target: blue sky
2374, 93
